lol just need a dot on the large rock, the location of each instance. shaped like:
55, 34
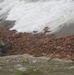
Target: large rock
4, 47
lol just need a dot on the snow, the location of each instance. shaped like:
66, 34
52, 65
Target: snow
35, 15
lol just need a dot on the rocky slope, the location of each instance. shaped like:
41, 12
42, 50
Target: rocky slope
39, 44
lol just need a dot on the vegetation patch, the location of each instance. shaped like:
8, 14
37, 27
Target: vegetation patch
19, 73
34, 70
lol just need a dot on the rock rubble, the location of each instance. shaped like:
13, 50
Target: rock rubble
39, 44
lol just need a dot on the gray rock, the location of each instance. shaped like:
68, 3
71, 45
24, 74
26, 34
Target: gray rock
4, 47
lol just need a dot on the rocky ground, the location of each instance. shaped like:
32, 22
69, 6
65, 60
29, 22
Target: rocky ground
36, 44
29, 65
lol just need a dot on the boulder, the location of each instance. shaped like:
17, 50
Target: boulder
4, 47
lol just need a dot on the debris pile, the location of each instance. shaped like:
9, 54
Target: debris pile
39, 44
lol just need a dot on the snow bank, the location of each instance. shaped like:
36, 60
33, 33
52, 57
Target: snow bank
35, 15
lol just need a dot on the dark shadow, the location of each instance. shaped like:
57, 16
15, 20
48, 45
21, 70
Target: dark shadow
1, 1
7, 24
66, 30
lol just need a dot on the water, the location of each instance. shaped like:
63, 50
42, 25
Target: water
35, 15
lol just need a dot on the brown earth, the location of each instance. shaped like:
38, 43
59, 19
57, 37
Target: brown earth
39, 44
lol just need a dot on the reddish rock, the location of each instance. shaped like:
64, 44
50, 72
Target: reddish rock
39, 44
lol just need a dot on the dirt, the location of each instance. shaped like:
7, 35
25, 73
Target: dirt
39, 44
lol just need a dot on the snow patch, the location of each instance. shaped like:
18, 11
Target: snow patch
35, 15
